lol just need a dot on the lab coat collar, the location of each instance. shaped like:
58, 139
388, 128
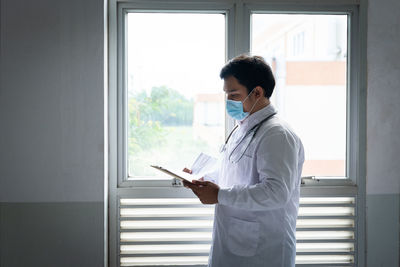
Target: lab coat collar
256, 117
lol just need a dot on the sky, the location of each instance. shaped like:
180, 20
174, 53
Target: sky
185, 52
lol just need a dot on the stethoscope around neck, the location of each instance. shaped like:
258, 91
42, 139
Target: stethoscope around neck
246, 140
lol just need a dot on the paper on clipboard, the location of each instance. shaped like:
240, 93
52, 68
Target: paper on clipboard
173, 174
203, 165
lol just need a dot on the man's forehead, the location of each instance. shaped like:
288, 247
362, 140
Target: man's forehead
231, 85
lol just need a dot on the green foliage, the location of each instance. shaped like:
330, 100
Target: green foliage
167, 106
180, 150
148, 116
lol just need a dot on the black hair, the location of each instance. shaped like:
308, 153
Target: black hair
250, 71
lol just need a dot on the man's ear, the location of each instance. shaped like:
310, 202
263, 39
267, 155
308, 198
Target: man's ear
259, 91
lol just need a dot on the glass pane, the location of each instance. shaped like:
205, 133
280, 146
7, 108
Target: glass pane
308, 54
175, 97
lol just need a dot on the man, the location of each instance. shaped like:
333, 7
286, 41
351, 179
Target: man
258, 189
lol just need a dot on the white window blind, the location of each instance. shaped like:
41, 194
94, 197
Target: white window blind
178, 231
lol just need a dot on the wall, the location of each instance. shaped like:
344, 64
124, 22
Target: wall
51, 133
383, 128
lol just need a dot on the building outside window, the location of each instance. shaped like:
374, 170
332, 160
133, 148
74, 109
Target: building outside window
298, 44
308, 80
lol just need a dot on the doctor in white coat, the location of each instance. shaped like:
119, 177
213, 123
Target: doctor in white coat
257, 187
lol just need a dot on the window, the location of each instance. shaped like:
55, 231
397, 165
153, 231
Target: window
175, 101
166, 105
310, 93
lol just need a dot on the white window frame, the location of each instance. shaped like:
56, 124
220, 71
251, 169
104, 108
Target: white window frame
124, 8
238, 31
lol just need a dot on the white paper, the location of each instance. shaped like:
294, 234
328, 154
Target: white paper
203, 164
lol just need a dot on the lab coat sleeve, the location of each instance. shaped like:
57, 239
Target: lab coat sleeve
277, 165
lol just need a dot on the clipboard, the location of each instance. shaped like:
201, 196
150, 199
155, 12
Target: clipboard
161, 169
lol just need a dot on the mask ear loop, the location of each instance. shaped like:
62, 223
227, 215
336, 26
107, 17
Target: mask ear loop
248, 95
252, 106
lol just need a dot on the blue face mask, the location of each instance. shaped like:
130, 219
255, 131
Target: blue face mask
235, 108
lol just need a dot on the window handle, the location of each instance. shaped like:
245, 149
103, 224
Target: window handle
308, 178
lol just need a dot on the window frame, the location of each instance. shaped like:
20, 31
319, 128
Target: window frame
123, 9
353, 91
238, 31
241, 38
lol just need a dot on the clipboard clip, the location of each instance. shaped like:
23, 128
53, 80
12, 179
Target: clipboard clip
176, 182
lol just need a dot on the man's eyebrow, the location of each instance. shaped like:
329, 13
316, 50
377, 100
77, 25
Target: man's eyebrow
232, 91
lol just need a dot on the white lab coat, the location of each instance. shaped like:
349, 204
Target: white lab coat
255, 220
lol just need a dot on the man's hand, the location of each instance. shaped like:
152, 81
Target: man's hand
187, 170
186, 184
206, 191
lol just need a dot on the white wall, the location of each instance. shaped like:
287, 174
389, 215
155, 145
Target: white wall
383, 128
383, 108
51, 133
51, 101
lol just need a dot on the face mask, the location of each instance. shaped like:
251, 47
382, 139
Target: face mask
235, 108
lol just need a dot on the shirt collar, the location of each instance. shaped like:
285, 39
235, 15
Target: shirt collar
256, 117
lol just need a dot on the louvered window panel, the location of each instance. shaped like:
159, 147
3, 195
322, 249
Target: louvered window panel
171, 232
